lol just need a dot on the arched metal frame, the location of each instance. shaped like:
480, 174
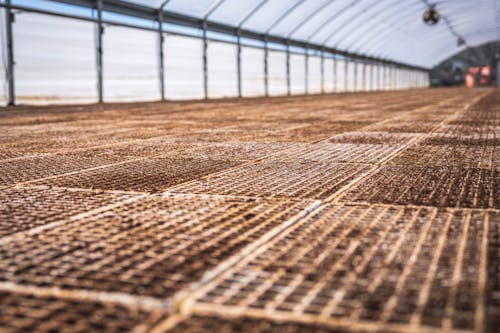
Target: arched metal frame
367, 28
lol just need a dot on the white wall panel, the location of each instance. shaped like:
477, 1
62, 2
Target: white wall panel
277, 73
314, 74
297, 74
130, 65
222, 74
55, 60
328, 86
183, 67
252, 71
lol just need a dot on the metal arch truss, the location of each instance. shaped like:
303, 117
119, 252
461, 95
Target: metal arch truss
162, 16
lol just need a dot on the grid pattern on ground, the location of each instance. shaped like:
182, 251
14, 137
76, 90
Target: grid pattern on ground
148, 175
338, 153
414, 266
26, 208
278, 179
406, 237
438, 155
373, 138
154, 246
429, 186
203, 324
28, 313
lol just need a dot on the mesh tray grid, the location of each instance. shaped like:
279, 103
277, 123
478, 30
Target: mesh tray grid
239, 151
373, 138
203, 324
441, 155
338, 153
28, 313
46, 165
429, 186
25, 208
153, 174
278, 179
380, 264
154, 246
401, 126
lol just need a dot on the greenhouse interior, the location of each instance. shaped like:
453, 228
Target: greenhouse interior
259, 166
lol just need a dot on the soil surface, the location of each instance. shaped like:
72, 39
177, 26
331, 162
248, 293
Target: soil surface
367, 212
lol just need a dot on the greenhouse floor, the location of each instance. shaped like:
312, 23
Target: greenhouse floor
374, 212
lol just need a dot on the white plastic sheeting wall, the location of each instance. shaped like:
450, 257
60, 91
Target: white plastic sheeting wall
222, 70
314, 75
350, 76
56, 63
252, 71
130, 65
183, 67
340, 79
54, 60
328, 76
277, 73
297, 73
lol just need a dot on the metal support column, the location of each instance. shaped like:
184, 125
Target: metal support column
306, 71
161, 70
238, 62
161, 40
9, 19
100, 32
363, 76
389, 77
355, 86
266, 68
378, 79
205, 60
335, 74
322, 72
386, 77
346, 74
288, 83
370, 86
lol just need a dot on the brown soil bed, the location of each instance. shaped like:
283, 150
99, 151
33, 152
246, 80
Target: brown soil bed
358, 212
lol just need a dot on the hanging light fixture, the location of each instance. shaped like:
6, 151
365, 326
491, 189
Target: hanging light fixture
431, 15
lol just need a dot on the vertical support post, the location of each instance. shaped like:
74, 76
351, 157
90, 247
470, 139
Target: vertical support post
205, 60
391, 77
322, 71
100, 32
382, 85
386, 77
161, 70
266, 67
396, 78
238, 62
306, 71
363, 76
370, 87
346, 74
355, 87
9, 18
288, 83
334, 74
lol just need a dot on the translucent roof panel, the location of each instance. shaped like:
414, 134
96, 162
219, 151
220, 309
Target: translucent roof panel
391, 29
